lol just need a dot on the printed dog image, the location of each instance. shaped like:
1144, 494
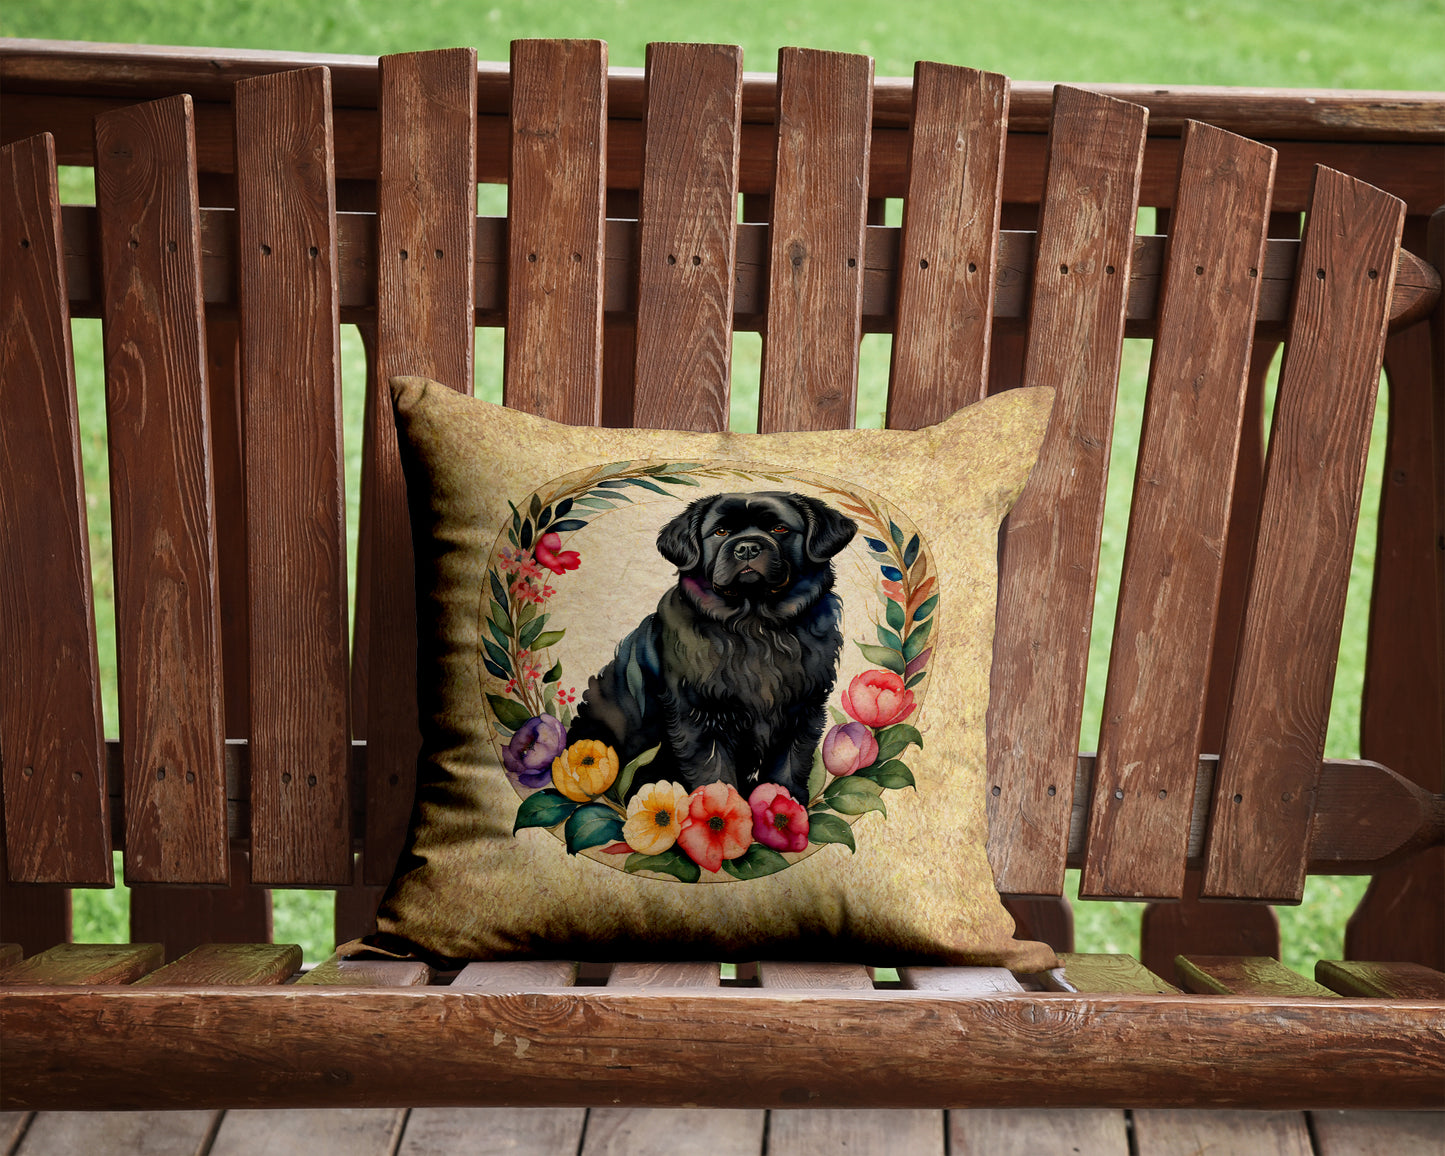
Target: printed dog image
731, 674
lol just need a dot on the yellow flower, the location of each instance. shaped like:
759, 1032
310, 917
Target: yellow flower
584, 770
653, 816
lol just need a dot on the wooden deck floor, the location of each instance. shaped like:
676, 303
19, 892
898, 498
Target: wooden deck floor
700, 1132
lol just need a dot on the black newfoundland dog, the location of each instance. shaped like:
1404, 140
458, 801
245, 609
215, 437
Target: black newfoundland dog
731, 675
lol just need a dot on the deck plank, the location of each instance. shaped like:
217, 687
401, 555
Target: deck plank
1343, 1133
858, 1132
118, 1133
1381, 980
475, 1131
1169, 1132
228, 963
313, 1131
674, 1132
1027, 1131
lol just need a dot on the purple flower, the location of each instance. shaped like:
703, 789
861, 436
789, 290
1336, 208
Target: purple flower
528, 757
849, 747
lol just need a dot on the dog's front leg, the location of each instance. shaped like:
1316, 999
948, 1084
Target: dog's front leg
704, 754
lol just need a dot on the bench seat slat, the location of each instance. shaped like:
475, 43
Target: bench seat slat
1275, 730
168, 633
793, 975
183, 918
85, 964
339, 972
228, 963
1383, 980
1154, 702
56, 818
300, 743
1243, 975
1087, 972
1051, 546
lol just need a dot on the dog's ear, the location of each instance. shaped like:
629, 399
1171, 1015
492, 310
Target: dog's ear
678, 541
828, 530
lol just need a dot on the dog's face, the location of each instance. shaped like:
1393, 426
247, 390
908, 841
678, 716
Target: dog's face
762, 548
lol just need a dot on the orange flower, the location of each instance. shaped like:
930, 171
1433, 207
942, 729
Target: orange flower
719, 825
654, 816
584, 770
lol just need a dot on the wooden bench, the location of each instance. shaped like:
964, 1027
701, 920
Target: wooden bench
247, 203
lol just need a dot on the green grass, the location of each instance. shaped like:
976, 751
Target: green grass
1315, 43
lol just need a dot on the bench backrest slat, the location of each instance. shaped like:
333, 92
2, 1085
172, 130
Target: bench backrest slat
687, 237
1279, 709
56, 814
426, 230
816, 265
947, 265
295, 501
1051, 549
1173, 562
555, 210
168, 638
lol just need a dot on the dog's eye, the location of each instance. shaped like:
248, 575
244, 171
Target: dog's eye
780, 530
720, 533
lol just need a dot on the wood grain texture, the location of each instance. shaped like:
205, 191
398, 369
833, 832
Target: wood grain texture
228, 963
1191, 926
1051, 547
555, 206
1343, 1133
34, 915
294, 1046
867, 1132
183, 918
517, 975
793, 975
664, 975
674, 1132
816, 258
1154, 700
337, 1132
1170, 1132
687, 237
57, 825
1047, 918
959, 980
1243, 975
295, 500
1275, 731
120, 1133
167, 616
337, 972
70, 964
13, 1125
1383, 980
1400, 914
1030, 1131
947, 267
426, 218
517, 1131
1088, 972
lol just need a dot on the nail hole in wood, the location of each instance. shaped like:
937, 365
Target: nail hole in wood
923, 263
852, 262
532, 257
437, 253
1199, 270
1254, 272
1053, 791
1239, 798
28, 772
404, 254
393, 779
265, 250
995, 792
672, 259
1319, 274
1163, 794
972, 268
313, 251
190, 776
696, 260
1109, 269
310, 780
133, 243
1118, 793
170, 246
285, 776
25, 242
1374, 273
1063, 268
160, 774
577, 257
76, 776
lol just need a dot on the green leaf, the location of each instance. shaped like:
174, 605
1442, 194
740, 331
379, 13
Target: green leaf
553, 675
547, 638
592, 825
893, 740
535, 506
854, 796
889, 639
595, 503
496, 613
497, 655
615, 468
526, 534
562, 507
493, 669
613, 483
883, 656
915, 679
892, 775
624, 779
925, 608
544, 517
915, 642
895, 533
527, 612
676, 480
567, 525
895, 614
824, 827
671, 862
838, 716
910, 551
754, 863
530, 631
819, 773
543, 809
498, 632
510, 713
646, 485
634, 678
499, 589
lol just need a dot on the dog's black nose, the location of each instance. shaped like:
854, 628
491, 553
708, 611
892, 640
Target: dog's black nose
744, 551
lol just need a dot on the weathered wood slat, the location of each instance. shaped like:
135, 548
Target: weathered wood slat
85, 963
228, 963
1087, 972
13, 1125
1275, 731
517, 974
426, 219
121, 1133
33, 915
1172, 1131
1154, 702
295, 500
555, 254
1346, 1133
879, 1132
687, 237
1383, 980
516, 1131
1029, 1131
337, 972
338, 1132
793, 975
664, 975
168, 630
947, 265
959, 980
183, 918
679, 1131
56, 820
816, 260
1051, 548
1190, 925
1243, 975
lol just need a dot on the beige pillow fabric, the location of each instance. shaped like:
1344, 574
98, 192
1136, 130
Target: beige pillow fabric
704, 695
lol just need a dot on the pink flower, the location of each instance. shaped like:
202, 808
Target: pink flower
778, 821
546, 551
718, 825
848, 748
878, 698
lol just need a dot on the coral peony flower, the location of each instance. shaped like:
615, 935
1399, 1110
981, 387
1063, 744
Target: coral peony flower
718, 826
528, 757
878, 698
849, 747
546, 552
654, 816
778, 821
584, 770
